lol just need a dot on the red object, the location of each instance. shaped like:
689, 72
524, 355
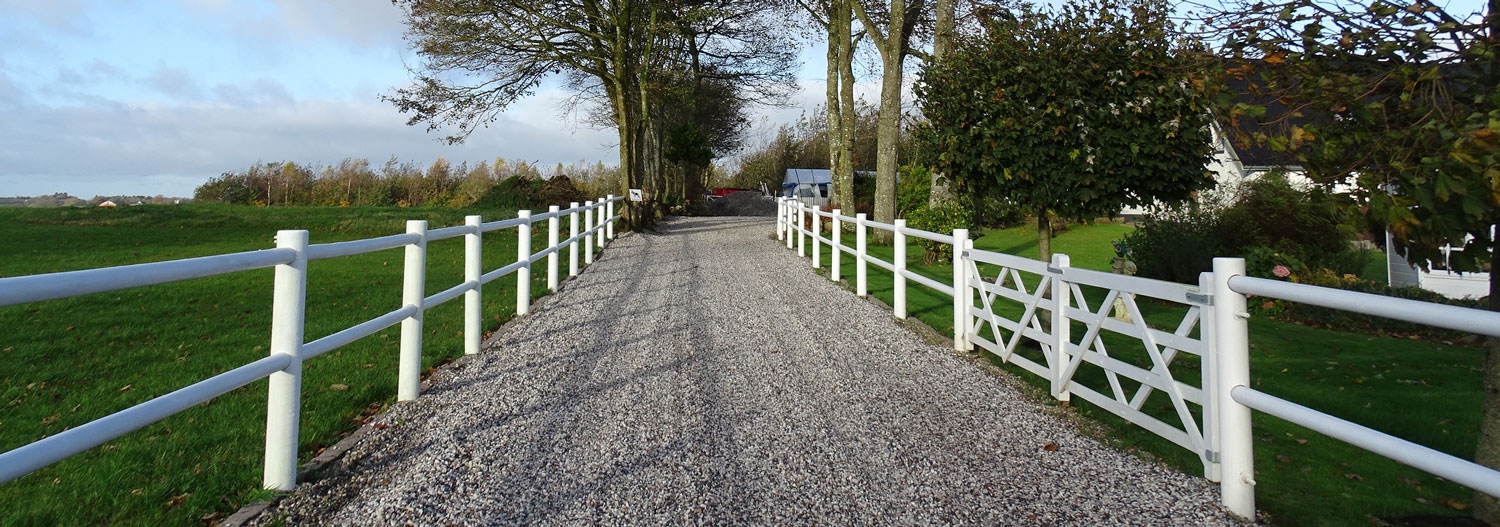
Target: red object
721, 192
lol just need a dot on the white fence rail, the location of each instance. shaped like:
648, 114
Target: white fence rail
287, 350
1206, 321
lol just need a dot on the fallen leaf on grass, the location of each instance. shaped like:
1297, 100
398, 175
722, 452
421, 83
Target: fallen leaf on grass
1283, 459
176, 500
1453, 504
127, 387
51, 418
1050, 446
338, 387
1355, 477
1301, 441
1411, 481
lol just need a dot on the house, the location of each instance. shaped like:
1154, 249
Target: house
1439, 278
812, 186
808, 185
1233, 165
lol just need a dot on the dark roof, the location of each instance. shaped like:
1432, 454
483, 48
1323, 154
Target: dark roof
1250, 153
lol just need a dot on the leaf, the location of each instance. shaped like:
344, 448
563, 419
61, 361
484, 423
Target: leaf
1273, 59
1453, 504
1283, 459
1355, 477
338, 387
1050, 446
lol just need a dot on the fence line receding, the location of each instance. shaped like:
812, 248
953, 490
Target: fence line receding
283, 366
1029, 312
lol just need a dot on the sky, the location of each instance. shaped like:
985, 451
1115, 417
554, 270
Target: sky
138, 97
155, 97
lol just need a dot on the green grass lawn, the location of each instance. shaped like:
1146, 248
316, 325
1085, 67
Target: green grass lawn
1425, 392
66, 362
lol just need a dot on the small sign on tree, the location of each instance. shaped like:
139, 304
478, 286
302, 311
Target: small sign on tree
635, 195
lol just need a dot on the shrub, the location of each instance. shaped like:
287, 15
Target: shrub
913, 190
1176, 244
941, 219
1272, 212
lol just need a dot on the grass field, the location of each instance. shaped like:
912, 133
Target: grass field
1425, 392
66, 362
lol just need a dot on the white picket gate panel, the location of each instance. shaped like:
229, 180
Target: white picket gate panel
1063, 356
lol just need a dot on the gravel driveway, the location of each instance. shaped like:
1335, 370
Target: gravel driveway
703, 375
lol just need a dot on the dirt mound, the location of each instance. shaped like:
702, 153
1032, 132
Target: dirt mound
742, 204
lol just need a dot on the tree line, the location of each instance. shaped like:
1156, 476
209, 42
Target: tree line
355, 182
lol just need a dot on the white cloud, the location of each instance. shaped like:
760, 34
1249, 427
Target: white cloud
156, 148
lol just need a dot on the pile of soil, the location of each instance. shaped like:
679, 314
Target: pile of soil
742, 204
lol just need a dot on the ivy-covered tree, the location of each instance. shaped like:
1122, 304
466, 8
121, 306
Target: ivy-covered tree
1400, 100
1074, 112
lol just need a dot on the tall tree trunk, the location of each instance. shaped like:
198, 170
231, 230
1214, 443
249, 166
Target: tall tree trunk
831, 105
1486, 507
888, 134
846, 104
942, 45
1043, 236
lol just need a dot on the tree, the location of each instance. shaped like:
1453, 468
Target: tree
1074, 113
837, 19
478, 58
942, 44
1401, 100
481, 57
893, 41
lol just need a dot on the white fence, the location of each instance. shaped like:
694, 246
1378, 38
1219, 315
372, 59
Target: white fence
287, 349
1207, 321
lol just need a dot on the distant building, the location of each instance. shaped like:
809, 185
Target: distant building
812, 186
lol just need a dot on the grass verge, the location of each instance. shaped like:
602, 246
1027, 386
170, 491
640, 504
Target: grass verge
66, 362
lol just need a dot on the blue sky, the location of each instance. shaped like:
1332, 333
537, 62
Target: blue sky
154, 97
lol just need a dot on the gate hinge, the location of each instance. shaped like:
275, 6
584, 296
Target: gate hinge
1201, 298
1211, 455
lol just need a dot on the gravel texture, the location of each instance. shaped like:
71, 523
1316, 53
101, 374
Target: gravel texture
702, 375
743, 204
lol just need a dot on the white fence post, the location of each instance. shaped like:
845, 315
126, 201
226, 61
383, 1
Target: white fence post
838, 247
602, 219
523, 254
573, 244
413, 291
860, 287
473, 269
817, 229
780, 219
787, 210
1232, 361
1207, 366
588, 239
898, 307
1062, 327
609, 209
801, 234
961, 299
284, 400
552, 232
